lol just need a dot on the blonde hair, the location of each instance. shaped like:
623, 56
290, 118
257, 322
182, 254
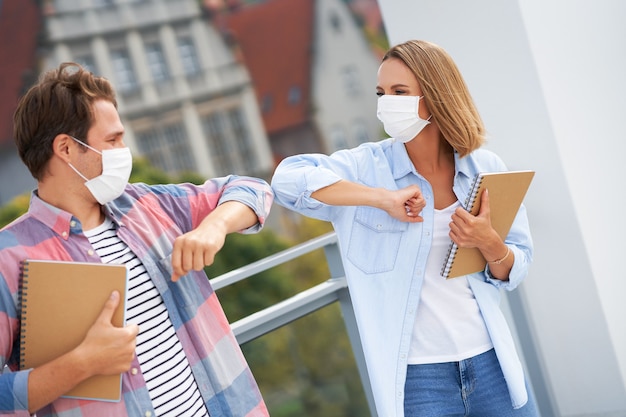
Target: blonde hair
445, 93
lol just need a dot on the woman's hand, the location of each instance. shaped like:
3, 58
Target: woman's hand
469, 231
405, 204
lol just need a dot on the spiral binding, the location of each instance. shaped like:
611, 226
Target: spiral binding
470, 200
23, 313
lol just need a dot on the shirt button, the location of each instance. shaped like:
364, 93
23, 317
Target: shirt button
64, 234
134, 372
90, 252
399, 394
73, 223
379, 226
402, 356
148, 413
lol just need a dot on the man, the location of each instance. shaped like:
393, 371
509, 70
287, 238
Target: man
177, 354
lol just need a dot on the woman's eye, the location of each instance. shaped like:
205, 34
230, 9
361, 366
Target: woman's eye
399, 92
380, 93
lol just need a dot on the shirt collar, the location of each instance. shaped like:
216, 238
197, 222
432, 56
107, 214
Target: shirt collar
60, 221
402, 164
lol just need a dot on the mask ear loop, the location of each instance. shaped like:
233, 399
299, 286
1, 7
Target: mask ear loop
420, 98
88, 147
78, 172
84, 144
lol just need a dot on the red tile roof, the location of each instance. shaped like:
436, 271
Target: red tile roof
19, 30
275, 38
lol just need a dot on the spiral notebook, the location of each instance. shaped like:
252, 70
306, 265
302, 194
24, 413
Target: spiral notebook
59, 303
506, 192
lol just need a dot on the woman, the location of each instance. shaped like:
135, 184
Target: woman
433, 346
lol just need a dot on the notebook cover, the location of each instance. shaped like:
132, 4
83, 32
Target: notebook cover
60, 301
506, 193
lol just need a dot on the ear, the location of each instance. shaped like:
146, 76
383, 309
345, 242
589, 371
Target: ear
62, 146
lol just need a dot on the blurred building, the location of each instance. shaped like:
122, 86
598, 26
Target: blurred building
186, 103
314, 73
18, 52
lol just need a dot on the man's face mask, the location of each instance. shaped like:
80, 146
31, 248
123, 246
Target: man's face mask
117, 165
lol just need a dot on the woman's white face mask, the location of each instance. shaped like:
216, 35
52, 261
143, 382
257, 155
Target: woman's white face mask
117, 165
400, 117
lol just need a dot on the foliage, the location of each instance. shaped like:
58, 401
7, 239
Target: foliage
13, 209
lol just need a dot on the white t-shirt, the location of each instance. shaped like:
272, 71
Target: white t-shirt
448, 326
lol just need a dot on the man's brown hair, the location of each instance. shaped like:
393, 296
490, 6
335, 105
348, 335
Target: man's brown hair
60, 102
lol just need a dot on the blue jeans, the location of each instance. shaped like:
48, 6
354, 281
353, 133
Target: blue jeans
474, 387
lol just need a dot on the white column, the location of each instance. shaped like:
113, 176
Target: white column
547, 77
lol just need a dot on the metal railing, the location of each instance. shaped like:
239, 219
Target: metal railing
335, 289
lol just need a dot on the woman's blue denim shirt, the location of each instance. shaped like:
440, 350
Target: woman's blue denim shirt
384, 258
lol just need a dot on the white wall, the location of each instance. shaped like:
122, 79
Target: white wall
548, 79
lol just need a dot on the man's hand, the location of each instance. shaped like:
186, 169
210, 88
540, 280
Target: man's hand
108, 349
196, 249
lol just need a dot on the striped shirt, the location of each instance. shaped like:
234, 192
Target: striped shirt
162, 361
147, 219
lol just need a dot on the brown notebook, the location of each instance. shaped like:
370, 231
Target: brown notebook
506, 193
60, 301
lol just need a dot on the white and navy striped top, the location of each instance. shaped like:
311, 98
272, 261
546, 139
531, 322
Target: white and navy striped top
163, 363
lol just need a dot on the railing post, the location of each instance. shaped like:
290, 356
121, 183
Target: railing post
335, 265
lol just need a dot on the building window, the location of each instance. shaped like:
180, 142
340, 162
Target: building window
350, 80
230, 141
294, 95
87, 63
243, 139
335, 21
156, 62
219, 146
167, 147
338, 138
188, 56
124, 73
267, 103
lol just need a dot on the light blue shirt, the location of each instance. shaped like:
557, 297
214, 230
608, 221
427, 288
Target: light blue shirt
384, 258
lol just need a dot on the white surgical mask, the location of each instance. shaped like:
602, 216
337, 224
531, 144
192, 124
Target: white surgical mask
117, 165
399, 116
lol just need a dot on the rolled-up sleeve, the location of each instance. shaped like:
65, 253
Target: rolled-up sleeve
254, 193
299, 176
14, 393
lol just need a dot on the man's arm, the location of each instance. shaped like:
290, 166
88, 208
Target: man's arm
196, 249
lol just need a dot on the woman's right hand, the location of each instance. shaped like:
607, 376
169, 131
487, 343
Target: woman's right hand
404, 204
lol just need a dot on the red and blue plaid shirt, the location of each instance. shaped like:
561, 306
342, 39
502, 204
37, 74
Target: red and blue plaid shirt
148, 219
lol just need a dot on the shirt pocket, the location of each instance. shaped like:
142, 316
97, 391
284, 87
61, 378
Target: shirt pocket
374, 240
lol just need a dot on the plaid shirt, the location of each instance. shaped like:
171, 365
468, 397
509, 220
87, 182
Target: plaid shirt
148, 218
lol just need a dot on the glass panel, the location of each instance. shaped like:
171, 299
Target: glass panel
156, 62
188, 56
126, 80
215, 132
243, 139
87, 62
